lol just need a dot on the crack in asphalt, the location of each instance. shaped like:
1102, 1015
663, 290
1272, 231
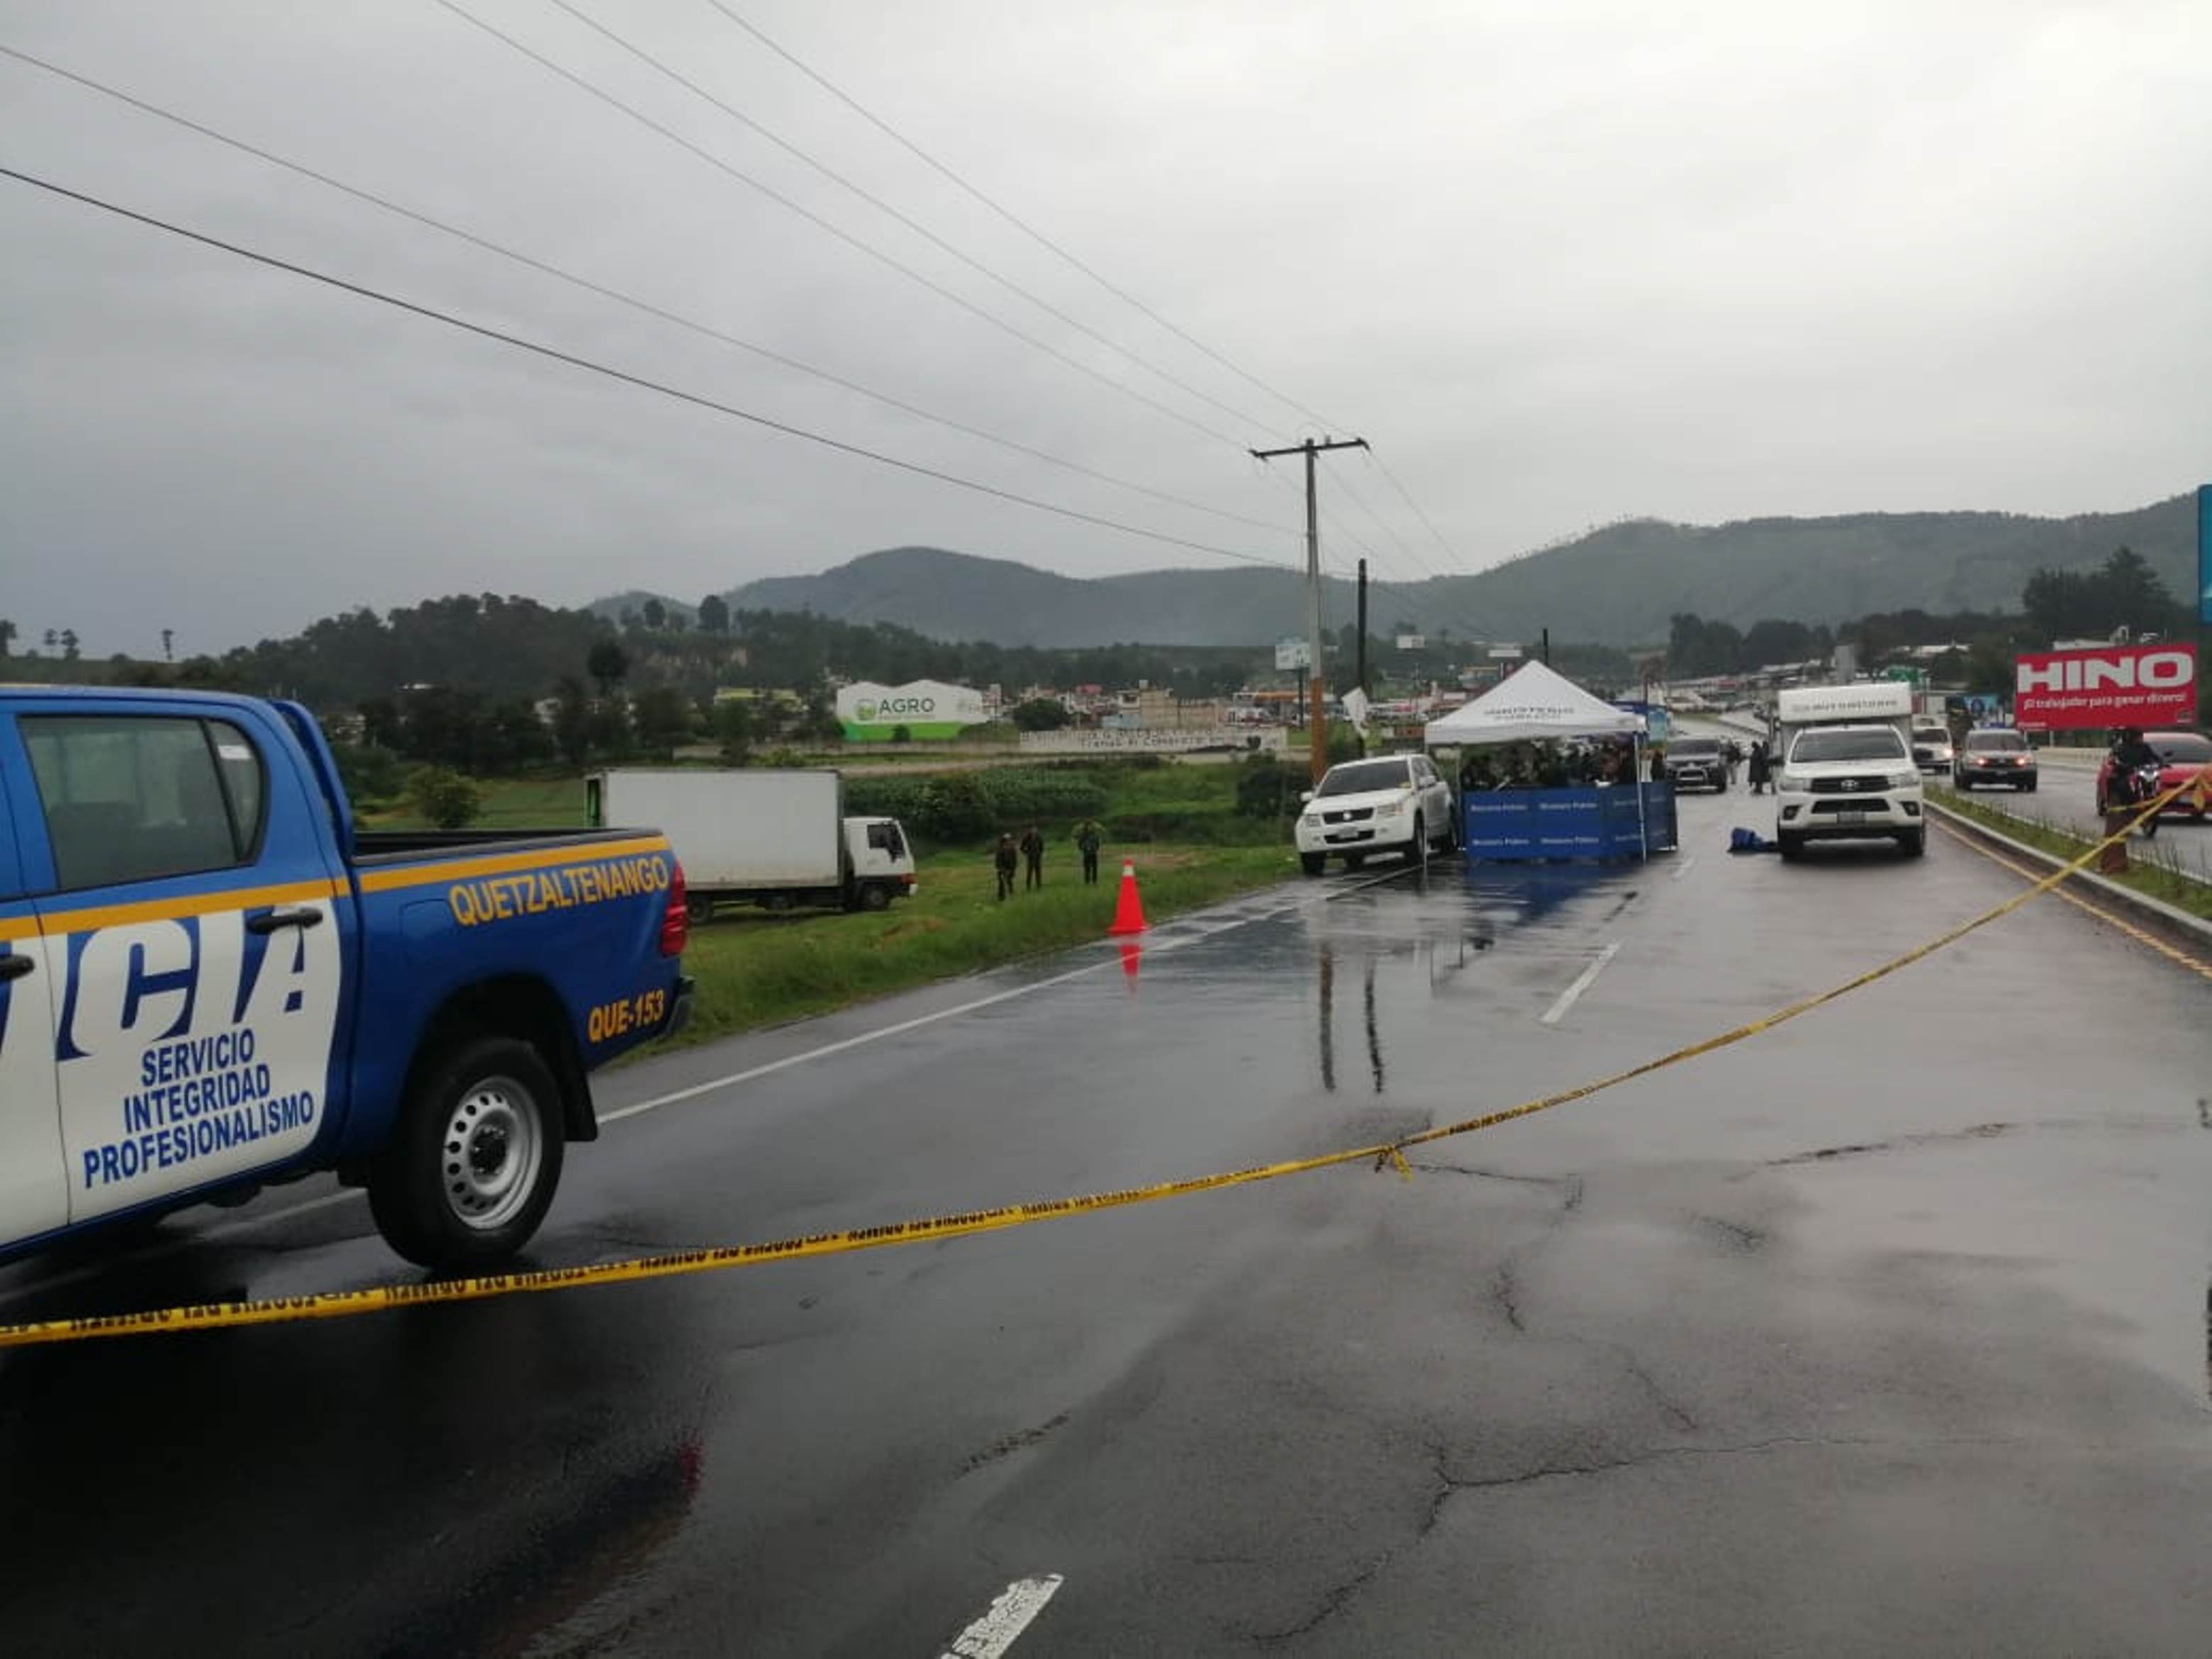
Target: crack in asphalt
1448, 1486
1504, 1290
1331, 1602
1745, 1238
1675, 1412
1900, 1143
1008, 1445
1494, 1174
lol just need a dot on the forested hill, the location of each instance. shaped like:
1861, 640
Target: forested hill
1620, 585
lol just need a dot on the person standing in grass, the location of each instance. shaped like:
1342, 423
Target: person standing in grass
1033, 855
1088, 837
1004, 859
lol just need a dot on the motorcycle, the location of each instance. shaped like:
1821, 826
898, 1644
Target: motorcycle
2140, 786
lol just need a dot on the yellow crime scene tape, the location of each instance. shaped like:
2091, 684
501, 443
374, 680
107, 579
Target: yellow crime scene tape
345, 1304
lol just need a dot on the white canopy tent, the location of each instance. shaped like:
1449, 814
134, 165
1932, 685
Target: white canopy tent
1535, 703
1531, 703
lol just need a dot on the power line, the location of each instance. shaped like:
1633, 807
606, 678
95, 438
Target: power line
802, 154
1406, 495
842, 234
1009, 216
555, 354
619, 297
1412, 560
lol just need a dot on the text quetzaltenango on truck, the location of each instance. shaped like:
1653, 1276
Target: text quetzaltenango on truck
210, 981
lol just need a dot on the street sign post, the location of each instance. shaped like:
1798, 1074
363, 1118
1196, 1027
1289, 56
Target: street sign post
2204, 555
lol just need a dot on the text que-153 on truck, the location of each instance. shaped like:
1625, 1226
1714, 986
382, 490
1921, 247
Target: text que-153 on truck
210, 980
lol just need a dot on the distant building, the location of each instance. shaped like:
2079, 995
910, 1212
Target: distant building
925, 709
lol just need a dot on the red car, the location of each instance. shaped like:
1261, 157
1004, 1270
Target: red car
2183, 755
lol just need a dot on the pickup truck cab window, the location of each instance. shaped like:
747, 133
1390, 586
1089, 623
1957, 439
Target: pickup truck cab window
133, 798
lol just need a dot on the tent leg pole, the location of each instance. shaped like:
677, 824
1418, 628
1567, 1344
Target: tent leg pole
1642, 829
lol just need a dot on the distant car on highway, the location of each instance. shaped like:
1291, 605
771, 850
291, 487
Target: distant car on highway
1397, 804
2181, 756
1994, 755
1697, 763
1931, 748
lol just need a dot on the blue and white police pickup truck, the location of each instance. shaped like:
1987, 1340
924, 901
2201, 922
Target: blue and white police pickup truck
209, 980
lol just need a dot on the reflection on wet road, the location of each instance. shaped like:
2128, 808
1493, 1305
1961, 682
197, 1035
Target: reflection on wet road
1888, 1330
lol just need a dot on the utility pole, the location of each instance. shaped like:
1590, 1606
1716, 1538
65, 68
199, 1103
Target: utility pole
1362, 645
1316, 693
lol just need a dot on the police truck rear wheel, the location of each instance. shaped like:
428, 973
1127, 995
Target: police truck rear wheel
472, 1167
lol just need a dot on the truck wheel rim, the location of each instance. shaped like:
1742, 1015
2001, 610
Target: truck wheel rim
491, 1154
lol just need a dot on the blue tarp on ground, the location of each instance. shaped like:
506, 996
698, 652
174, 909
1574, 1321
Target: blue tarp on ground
1566, 823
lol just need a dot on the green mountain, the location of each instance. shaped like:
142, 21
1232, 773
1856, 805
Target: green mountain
956, 596
1616, 585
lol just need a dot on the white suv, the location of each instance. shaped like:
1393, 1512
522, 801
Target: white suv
1395, 804
1842, 781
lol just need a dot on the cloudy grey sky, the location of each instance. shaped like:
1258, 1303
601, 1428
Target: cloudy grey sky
1561, 263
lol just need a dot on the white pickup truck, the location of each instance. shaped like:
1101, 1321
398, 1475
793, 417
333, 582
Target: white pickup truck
1840, 782
1847, 770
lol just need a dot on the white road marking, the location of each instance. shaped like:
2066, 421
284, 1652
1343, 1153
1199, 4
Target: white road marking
269, 1218
901, 1027
1004, 1620
897, 1029
1584, 981
1685, 867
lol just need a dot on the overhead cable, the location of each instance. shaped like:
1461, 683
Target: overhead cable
645, 306
800, 153
843, 236
1010, 217
554, 354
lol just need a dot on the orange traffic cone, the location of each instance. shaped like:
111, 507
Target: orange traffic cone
1128, 909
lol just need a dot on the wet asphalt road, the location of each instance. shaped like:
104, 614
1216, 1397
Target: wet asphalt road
1883, 1331
2066, 798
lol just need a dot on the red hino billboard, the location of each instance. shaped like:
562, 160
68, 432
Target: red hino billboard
2146, 685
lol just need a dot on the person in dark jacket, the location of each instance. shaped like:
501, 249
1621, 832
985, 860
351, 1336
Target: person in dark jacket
1033, 856
1005, 858
1088, 838
1759, 768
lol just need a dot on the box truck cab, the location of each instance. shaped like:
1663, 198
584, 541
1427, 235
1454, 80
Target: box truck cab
752, 835
1846, 768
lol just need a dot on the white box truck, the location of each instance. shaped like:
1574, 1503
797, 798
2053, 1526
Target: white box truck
1870, 702
775, 839
1844, 767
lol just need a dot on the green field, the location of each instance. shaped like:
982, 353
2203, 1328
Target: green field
1178, 823
755, 969
508, 804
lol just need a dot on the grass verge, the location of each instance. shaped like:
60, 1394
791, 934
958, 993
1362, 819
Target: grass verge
2153, 870
755, 969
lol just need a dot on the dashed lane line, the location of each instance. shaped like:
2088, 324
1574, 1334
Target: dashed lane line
1004, 1620
1584, 981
